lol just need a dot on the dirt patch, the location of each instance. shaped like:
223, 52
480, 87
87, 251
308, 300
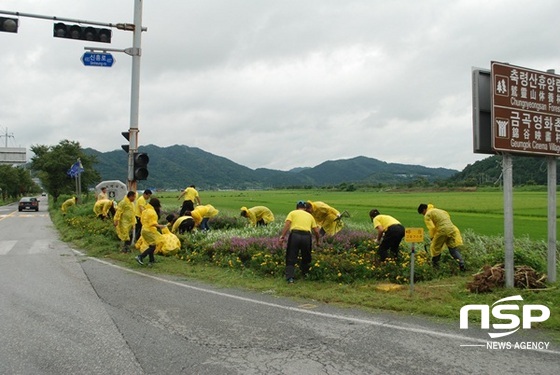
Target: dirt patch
491, 278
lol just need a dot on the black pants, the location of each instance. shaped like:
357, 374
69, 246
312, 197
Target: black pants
391, 240
186, 226
298, 241
149, 252
187, 206
137, 229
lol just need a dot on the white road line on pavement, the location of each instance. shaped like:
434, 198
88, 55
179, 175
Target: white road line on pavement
6, 246
299, 310
39, 247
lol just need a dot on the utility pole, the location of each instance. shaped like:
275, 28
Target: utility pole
7, 135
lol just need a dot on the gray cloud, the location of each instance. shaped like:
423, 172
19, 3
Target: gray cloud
275, 84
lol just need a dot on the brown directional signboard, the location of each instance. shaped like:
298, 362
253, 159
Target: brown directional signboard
525, 110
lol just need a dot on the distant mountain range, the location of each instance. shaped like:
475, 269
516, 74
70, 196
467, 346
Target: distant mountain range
177, 166
526, 170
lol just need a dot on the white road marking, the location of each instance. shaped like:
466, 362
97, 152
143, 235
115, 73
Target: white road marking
39, 247
6, 246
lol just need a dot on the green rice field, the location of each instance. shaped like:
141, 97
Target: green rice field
480, 211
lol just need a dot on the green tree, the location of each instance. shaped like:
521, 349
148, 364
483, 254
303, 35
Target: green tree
15, 181
8, 181
53, 162
25, 182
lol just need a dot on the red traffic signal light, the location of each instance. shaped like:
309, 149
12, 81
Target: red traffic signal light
141, 161
93, 34
8, 25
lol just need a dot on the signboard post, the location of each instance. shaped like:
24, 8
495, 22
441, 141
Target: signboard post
413, 235
98, 59
526, 120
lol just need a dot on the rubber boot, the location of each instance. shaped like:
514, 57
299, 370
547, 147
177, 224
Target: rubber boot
457, 255
435, 261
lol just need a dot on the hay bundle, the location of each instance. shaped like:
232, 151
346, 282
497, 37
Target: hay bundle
490, 278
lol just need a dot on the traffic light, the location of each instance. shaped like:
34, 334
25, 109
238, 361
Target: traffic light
141, 161
93, 34
8, 25
126, 147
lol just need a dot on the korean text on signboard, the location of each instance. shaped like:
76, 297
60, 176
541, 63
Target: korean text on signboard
414, 235
525, 110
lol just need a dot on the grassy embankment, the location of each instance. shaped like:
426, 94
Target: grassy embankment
477, 213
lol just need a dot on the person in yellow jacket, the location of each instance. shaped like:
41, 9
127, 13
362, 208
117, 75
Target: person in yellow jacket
390, 233
140, 204
191, 197
201, 215
300, 225
258, 215
167, 244
150, 233
442, 233
327, 217
180, 225
103, 194
125, 219
67, 204
104, 209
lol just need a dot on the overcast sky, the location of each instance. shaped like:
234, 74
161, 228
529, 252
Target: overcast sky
273, 83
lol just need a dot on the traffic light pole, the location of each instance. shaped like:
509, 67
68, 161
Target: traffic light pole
135, 92
135, 52
120, 26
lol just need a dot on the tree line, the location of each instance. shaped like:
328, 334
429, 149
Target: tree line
50, 164
16, 182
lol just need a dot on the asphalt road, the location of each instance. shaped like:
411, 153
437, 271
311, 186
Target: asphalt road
65, 313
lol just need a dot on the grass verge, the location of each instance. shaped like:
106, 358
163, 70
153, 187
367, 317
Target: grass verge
437, 299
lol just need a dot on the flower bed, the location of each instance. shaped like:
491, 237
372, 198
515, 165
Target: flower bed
348, 256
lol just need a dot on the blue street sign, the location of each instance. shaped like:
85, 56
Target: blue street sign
98, 59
